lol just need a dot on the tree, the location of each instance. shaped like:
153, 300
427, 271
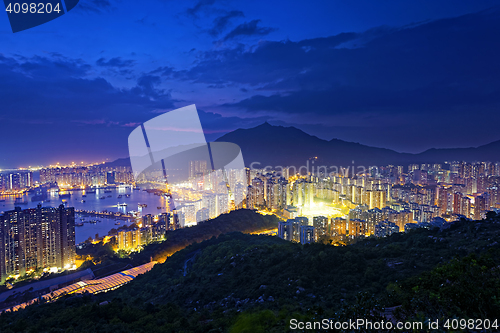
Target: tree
491, 215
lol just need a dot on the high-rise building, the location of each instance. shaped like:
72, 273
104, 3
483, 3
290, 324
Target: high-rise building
168, 220
240, 192
443, 193
15, 181
257, 193
209, 200
466, 207
222, 204
479, 207
147, 220
307, 234
202, 215
197, 168
339, 226
320, 224
308, 194
385, 228
272, 195
457, 202
42, 237
285, 229
110, 177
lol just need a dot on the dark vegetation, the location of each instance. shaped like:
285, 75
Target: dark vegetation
243, 220
250, 283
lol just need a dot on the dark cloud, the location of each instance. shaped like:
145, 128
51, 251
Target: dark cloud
61, 87
426, 84
49, 69
217, 86
56, 103
147, 87
80, 117
268, 63
424, 68
165, 71
222, 22
94, 6
341, 100
248, 29
117, 62
146, 21
201, 4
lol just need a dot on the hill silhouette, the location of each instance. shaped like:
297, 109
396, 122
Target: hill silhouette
274, 146
278, 145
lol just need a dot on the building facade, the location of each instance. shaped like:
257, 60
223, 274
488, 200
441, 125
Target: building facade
36, 238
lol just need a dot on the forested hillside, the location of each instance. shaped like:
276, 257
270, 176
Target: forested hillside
251, 283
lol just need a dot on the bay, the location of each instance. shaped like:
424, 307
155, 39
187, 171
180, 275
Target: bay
93, 202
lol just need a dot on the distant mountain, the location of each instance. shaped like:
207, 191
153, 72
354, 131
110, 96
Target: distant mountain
289, 146
489, 152
285, 146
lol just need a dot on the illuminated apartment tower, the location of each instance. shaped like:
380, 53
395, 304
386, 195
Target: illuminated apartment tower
222, 203
197, 168
289, 194
309, 194
442, 203
299, 191
258, 192
165, 219
15, 181
339, 226
285, 230
479, 207
307, 234
282, 193
147, 220
239, 195
272, 195
466, 207
3, 182
209, 200
320, 224
110, 177
457, 203
202, 215
495, 197
291, 229
36, 238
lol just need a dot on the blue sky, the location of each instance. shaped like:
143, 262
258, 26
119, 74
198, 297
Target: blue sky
406, 75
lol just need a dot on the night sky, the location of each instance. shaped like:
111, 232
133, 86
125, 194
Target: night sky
406, 75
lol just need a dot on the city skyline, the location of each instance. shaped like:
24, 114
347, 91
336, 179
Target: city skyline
229, 166
424, 78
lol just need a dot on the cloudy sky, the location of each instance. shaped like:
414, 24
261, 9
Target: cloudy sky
406, 75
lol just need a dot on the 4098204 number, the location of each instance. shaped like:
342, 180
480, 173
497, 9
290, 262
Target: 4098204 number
471, 324
32, 8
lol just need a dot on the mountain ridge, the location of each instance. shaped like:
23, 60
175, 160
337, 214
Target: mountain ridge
278, 145
275, 145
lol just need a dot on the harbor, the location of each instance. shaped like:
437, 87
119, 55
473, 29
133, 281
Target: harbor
121, 204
